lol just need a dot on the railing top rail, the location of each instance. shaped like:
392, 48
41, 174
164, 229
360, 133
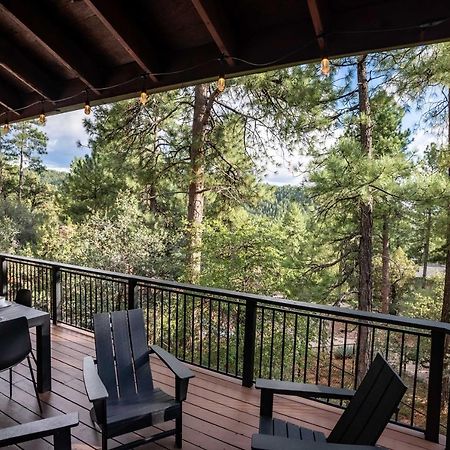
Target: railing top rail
262, 299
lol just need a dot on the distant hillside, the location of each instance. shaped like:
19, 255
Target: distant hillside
282, 197
54, 177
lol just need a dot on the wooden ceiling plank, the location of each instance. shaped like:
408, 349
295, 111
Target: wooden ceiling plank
217, 26
29, 74
118, 22
49, 32
319, 19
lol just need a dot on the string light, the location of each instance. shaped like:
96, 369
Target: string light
325, 66
87, 105
42, 118
221, 83
6, 127
143, 98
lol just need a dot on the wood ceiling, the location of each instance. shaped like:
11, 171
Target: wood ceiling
54, 54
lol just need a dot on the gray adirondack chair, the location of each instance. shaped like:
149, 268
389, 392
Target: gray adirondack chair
361, 423
120, 385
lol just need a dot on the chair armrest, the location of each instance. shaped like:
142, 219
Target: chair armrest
268, 442
304, 389
270, 387
38, 429
175, 365
181, 371
95, 388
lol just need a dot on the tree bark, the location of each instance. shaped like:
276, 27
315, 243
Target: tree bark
445, 314
21, 169
385, 273
366, 220
426, 249
196, 196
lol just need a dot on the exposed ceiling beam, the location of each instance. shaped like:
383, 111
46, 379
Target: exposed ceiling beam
215, 21
28, 73
48, 31
319, 19
123, 27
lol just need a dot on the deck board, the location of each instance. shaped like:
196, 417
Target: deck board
219, 412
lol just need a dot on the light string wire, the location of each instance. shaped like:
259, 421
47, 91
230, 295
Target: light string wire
220, 59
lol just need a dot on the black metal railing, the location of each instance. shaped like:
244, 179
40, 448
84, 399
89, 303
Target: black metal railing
248, 336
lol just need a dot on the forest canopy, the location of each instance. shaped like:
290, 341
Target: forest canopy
175, 188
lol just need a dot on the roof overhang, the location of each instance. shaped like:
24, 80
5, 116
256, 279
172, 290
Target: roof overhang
55, 54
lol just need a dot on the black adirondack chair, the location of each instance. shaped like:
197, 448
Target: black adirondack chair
121, 386
58, 427
361, 423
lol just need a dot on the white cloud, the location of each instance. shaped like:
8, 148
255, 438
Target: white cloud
423, 137
65, 127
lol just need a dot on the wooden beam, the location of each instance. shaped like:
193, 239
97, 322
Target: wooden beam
55, 37
123, 28
319, 19
21, 67
219, 29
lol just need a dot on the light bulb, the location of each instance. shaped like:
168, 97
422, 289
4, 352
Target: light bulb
6, 127
87, 108
325, 66
143, 98
42, 118
221, 83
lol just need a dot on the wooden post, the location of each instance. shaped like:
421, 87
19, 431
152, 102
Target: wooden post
435, 386
447, 439
56, 294
249, 343
132, 294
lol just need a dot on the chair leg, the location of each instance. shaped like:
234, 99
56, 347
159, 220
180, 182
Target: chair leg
34, 383
10, 382
179, 431
104, 441
62, 439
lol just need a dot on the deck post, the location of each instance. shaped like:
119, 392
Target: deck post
249, 343
447, 438
435, 386
56, 294
3, 276
132, 293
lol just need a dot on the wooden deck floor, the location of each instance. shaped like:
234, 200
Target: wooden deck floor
219, 412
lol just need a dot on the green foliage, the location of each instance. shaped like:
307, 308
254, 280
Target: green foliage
425, 303
252, 248
122, 239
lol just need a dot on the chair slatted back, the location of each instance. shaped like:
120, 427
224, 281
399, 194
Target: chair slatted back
370, 410
24, 297
122, 353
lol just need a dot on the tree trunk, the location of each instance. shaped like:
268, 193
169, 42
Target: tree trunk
21, 169
153, 202
385, 274
426, 249
445, 314
366, 221
196, 199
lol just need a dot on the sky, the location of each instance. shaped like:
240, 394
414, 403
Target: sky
66, 130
